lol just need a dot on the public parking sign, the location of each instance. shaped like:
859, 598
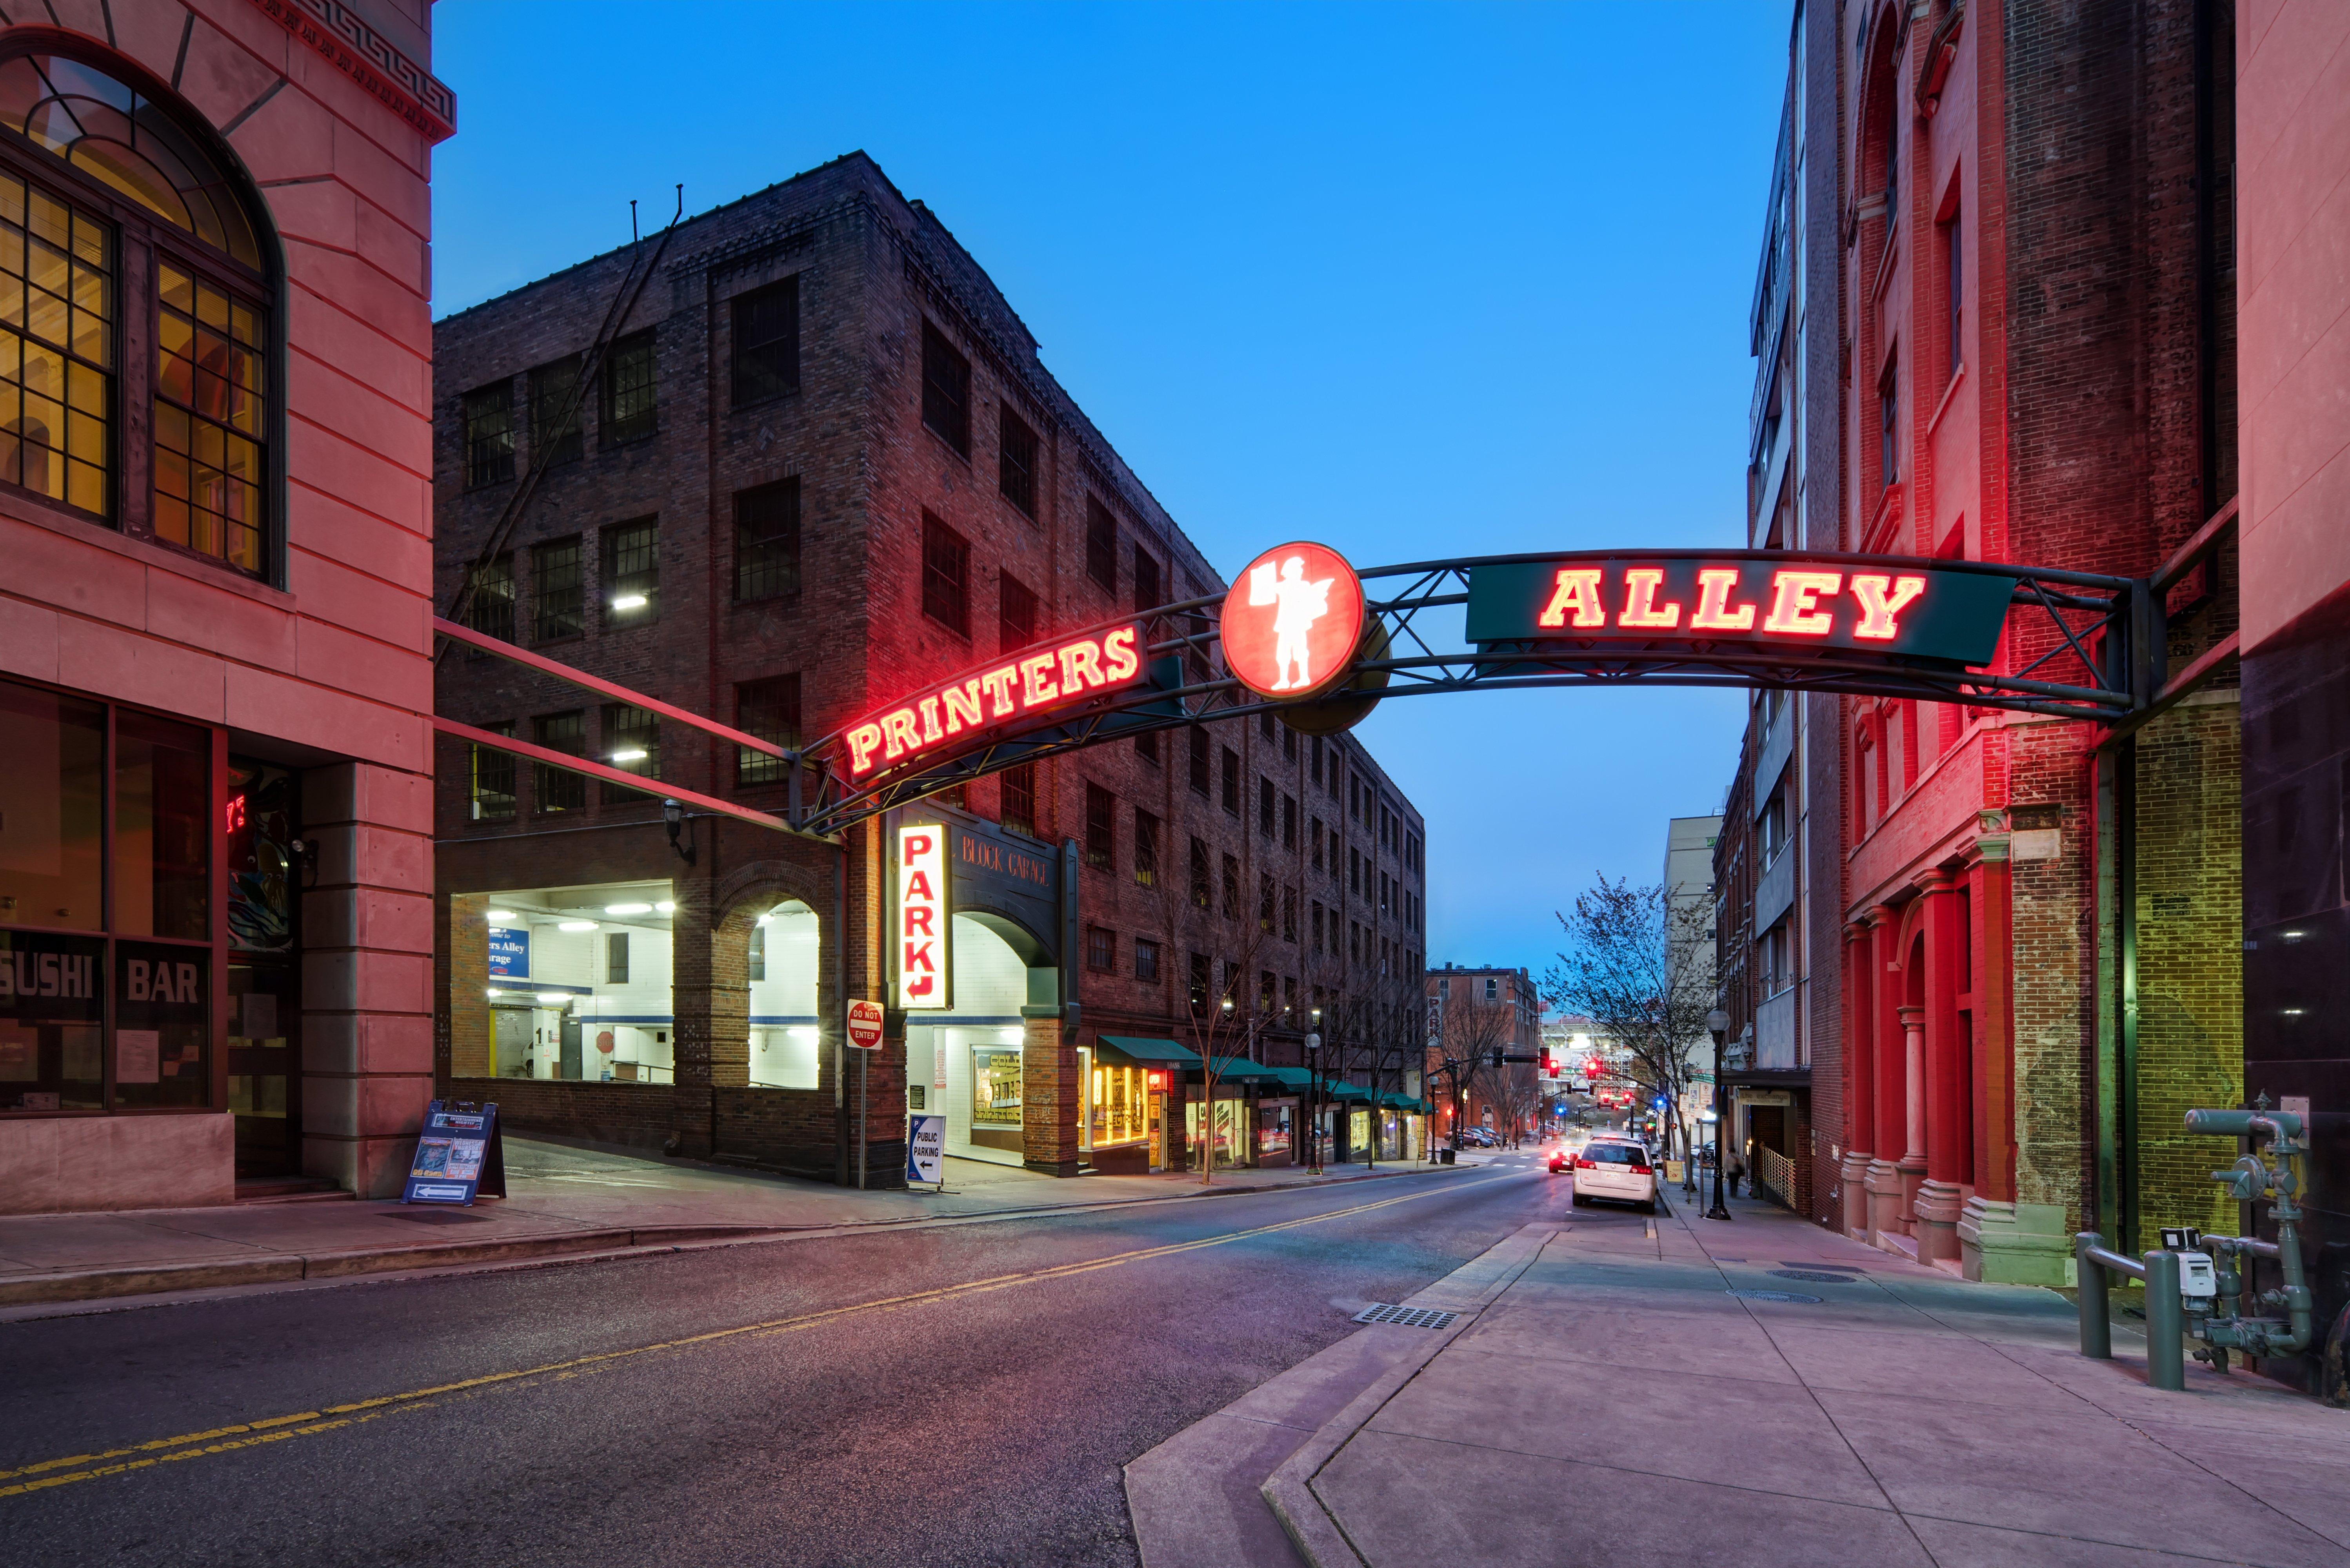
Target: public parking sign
865, 1025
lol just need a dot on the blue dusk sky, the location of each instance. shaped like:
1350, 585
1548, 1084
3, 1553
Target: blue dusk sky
1416, 281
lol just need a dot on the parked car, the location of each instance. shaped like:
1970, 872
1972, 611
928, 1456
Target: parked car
1616, 1170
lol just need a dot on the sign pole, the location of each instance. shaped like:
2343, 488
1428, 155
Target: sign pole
863, 1062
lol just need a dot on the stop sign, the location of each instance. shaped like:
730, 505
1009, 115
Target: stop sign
865, 1025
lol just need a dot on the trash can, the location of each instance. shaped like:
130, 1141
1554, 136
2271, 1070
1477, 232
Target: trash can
1445, 1155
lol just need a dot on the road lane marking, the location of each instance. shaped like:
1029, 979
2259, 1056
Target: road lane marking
47, 1474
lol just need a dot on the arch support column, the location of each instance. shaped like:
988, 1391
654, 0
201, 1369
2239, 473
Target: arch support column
1888, 1213
1859, 1083
1941, 1195
1048, 1091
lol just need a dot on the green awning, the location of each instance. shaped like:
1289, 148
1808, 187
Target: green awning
1292, 1077
1405, 1103
1241, 1070
1343, 1091
1161, 1052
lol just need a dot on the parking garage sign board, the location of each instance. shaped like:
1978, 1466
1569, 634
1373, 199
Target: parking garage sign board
1916, 612
458, 1155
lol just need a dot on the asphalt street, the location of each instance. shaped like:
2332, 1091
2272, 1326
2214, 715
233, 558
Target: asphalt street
959, 1393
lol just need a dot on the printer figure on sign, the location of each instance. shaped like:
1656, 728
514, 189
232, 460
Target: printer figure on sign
1298, 605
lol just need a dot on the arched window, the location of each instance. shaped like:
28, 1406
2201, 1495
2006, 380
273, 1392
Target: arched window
131, 278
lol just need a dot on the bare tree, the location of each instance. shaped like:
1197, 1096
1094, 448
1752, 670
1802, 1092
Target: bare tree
1619, 972
1471, 1031
1225, 1023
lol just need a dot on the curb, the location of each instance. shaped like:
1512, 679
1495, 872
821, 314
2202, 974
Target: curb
1316, 1534
281, 1268
100, 1284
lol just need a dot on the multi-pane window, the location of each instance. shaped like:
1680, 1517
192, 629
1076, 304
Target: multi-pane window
1315, 910
632, 385
767, 541
632, 744
1199, 982
1889, 422
555, 411
208, 400
1201, 783
491, 611
1289, 821
632, 572
1289, 914
489, 433
1263, 808
1953, 275
149, 207
767, 341
1101, 544
616, 958
946, 390
1016, 463
492, 782
1101, 950
1146, 579
1232, 781
1015, 615
1146, 746
1146, 848
1018, 809
1101, 829
554, 788
56, 346
1201, 894
555, 590
1232, 886
1317, 759
769, 711
946, 568
1315, 838
1146, 960
1264, 902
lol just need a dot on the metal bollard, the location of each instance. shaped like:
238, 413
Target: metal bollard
2097, 1316
2166, 1323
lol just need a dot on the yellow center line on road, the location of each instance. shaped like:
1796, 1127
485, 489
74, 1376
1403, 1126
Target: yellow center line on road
57, 1472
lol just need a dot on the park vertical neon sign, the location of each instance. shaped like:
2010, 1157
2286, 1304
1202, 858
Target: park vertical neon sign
922, 917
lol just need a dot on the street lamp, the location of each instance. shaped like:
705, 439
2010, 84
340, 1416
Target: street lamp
1313, 1095
1718, 1023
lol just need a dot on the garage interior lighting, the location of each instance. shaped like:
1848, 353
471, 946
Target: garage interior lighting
503, 917
555, 998
634, 754
577, 926
629, 601
664, 907
628, 909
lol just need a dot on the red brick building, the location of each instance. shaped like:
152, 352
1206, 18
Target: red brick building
2005, 332
2292, 141
816, 463
215, 450
1472, 1012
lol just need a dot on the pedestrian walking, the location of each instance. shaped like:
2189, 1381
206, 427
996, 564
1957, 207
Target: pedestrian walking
1736, 1169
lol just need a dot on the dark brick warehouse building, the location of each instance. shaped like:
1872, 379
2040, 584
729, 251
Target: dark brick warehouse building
819, 466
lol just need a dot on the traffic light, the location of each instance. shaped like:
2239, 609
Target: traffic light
1547, 1070
1497, 1058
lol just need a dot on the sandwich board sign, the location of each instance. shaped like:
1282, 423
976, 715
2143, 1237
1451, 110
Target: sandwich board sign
926, 1141
459, 1154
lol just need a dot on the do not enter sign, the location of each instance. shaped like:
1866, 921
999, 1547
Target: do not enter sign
865, 1025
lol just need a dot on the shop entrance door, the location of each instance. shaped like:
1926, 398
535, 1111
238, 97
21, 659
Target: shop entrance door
265, 1047
572, 1065
1157, 1132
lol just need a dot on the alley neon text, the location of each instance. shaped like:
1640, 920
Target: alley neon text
1799, 602
1033, 683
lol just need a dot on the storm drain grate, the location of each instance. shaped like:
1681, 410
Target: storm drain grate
1409, 1317
1815, 1275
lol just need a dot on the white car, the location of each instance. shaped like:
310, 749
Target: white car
1616, 1169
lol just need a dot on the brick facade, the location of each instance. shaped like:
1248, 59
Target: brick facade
879, 282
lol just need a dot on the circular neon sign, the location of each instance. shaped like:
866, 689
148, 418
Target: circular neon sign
1292, 620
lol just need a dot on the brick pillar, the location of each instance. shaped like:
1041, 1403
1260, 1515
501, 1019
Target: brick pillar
1942, 1195
1859, 1129
694, 1000
1994, 1039
1048, 1093
471, 1054
366, 974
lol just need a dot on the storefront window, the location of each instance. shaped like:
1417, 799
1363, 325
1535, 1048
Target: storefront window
784, 1029
1273, 1129
1116, 1104
995, 1087
63, 1044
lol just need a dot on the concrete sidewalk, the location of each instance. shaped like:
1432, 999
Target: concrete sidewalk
563, 1198
1621, 1393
